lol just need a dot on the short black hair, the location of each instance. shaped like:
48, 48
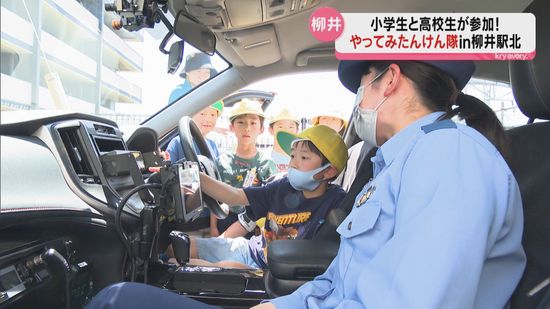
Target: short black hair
310, 146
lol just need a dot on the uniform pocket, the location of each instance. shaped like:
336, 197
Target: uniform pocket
360, 220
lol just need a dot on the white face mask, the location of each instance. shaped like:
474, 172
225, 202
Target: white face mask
364, 120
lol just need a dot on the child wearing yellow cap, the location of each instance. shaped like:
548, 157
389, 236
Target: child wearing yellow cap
282, 120
247, 166
294, 206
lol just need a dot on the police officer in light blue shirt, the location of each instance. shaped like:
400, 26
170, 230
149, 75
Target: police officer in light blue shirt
440, 224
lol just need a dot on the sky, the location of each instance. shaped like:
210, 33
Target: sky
309, 94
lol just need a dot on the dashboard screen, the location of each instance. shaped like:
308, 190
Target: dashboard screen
190, 191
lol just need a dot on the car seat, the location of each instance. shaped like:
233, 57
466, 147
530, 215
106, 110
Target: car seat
294, 262
530, 160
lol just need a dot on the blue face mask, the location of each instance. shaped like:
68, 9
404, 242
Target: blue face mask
304, 181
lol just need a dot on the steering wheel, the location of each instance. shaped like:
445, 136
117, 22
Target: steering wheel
190, 135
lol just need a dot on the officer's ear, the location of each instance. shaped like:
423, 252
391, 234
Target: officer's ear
392, 81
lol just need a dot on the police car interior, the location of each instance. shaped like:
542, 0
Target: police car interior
84, 206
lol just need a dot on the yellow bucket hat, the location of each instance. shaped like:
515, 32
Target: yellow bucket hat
328, 141
333, 113
283, 114
246, 106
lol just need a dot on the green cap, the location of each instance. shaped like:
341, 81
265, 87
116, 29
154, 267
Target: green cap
218, 106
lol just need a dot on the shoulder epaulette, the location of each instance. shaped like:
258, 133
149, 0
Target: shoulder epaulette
443, 124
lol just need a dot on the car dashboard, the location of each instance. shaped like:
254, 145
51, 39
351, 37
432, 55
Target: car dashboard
58, 224
58, 159
55, 196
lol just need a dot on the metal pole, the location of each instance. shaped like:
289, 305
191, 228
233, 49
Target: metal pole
35, 8
101, 18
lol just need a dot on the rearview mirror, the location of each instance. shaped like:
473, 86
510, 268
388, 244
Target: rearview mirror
191, 31
175, 56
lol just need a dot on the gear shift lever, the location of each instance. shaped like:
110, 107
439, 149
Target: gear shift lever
180, 244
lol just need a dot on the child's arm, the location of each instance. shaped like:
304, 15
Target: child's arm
223, 192
214, 232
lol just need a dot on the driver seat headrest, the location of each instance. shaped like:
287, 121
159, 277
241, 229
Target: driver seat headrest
530, 79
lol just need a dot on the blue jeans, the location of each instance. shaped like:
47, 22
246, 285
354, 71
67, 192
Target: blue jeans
217, 249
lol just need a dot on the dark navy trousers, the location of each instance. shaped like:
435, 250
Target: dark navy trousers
126, 295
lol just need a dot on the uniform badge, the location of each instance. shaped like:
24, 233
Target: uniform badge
365, 197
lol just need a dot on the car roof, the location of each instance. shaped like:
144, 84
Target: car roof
292, 48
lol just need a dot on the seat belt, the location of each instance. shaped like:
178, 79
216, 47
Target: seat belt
364, 174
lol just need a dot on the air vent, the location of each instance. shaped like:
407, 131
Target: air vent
108, 144
72, 140
104, 129
274, 3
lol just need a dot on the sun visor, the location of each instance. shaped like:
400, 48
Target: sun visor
256, 47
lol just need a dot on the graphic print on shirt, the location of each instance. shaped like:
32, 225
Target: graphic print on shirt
286, 226
235, 170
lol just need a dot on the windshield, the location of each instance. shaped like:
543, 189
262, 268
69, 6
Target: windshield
66, 55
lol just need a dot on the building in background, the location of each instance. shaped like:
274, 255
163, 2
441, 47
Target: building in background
71, 43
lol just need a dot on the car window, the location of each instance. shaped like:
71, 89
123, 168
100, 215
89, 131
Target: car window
70, 57
500, 98
322, 90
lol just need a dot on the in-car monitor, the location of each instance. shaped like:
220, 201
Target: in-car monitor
189, 196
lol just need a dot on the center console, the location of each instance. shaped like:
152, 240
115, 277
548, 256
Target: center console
213, 285
233, 288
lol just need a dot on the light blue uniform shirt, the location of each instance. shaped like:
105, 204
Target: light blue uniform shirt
442, 228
